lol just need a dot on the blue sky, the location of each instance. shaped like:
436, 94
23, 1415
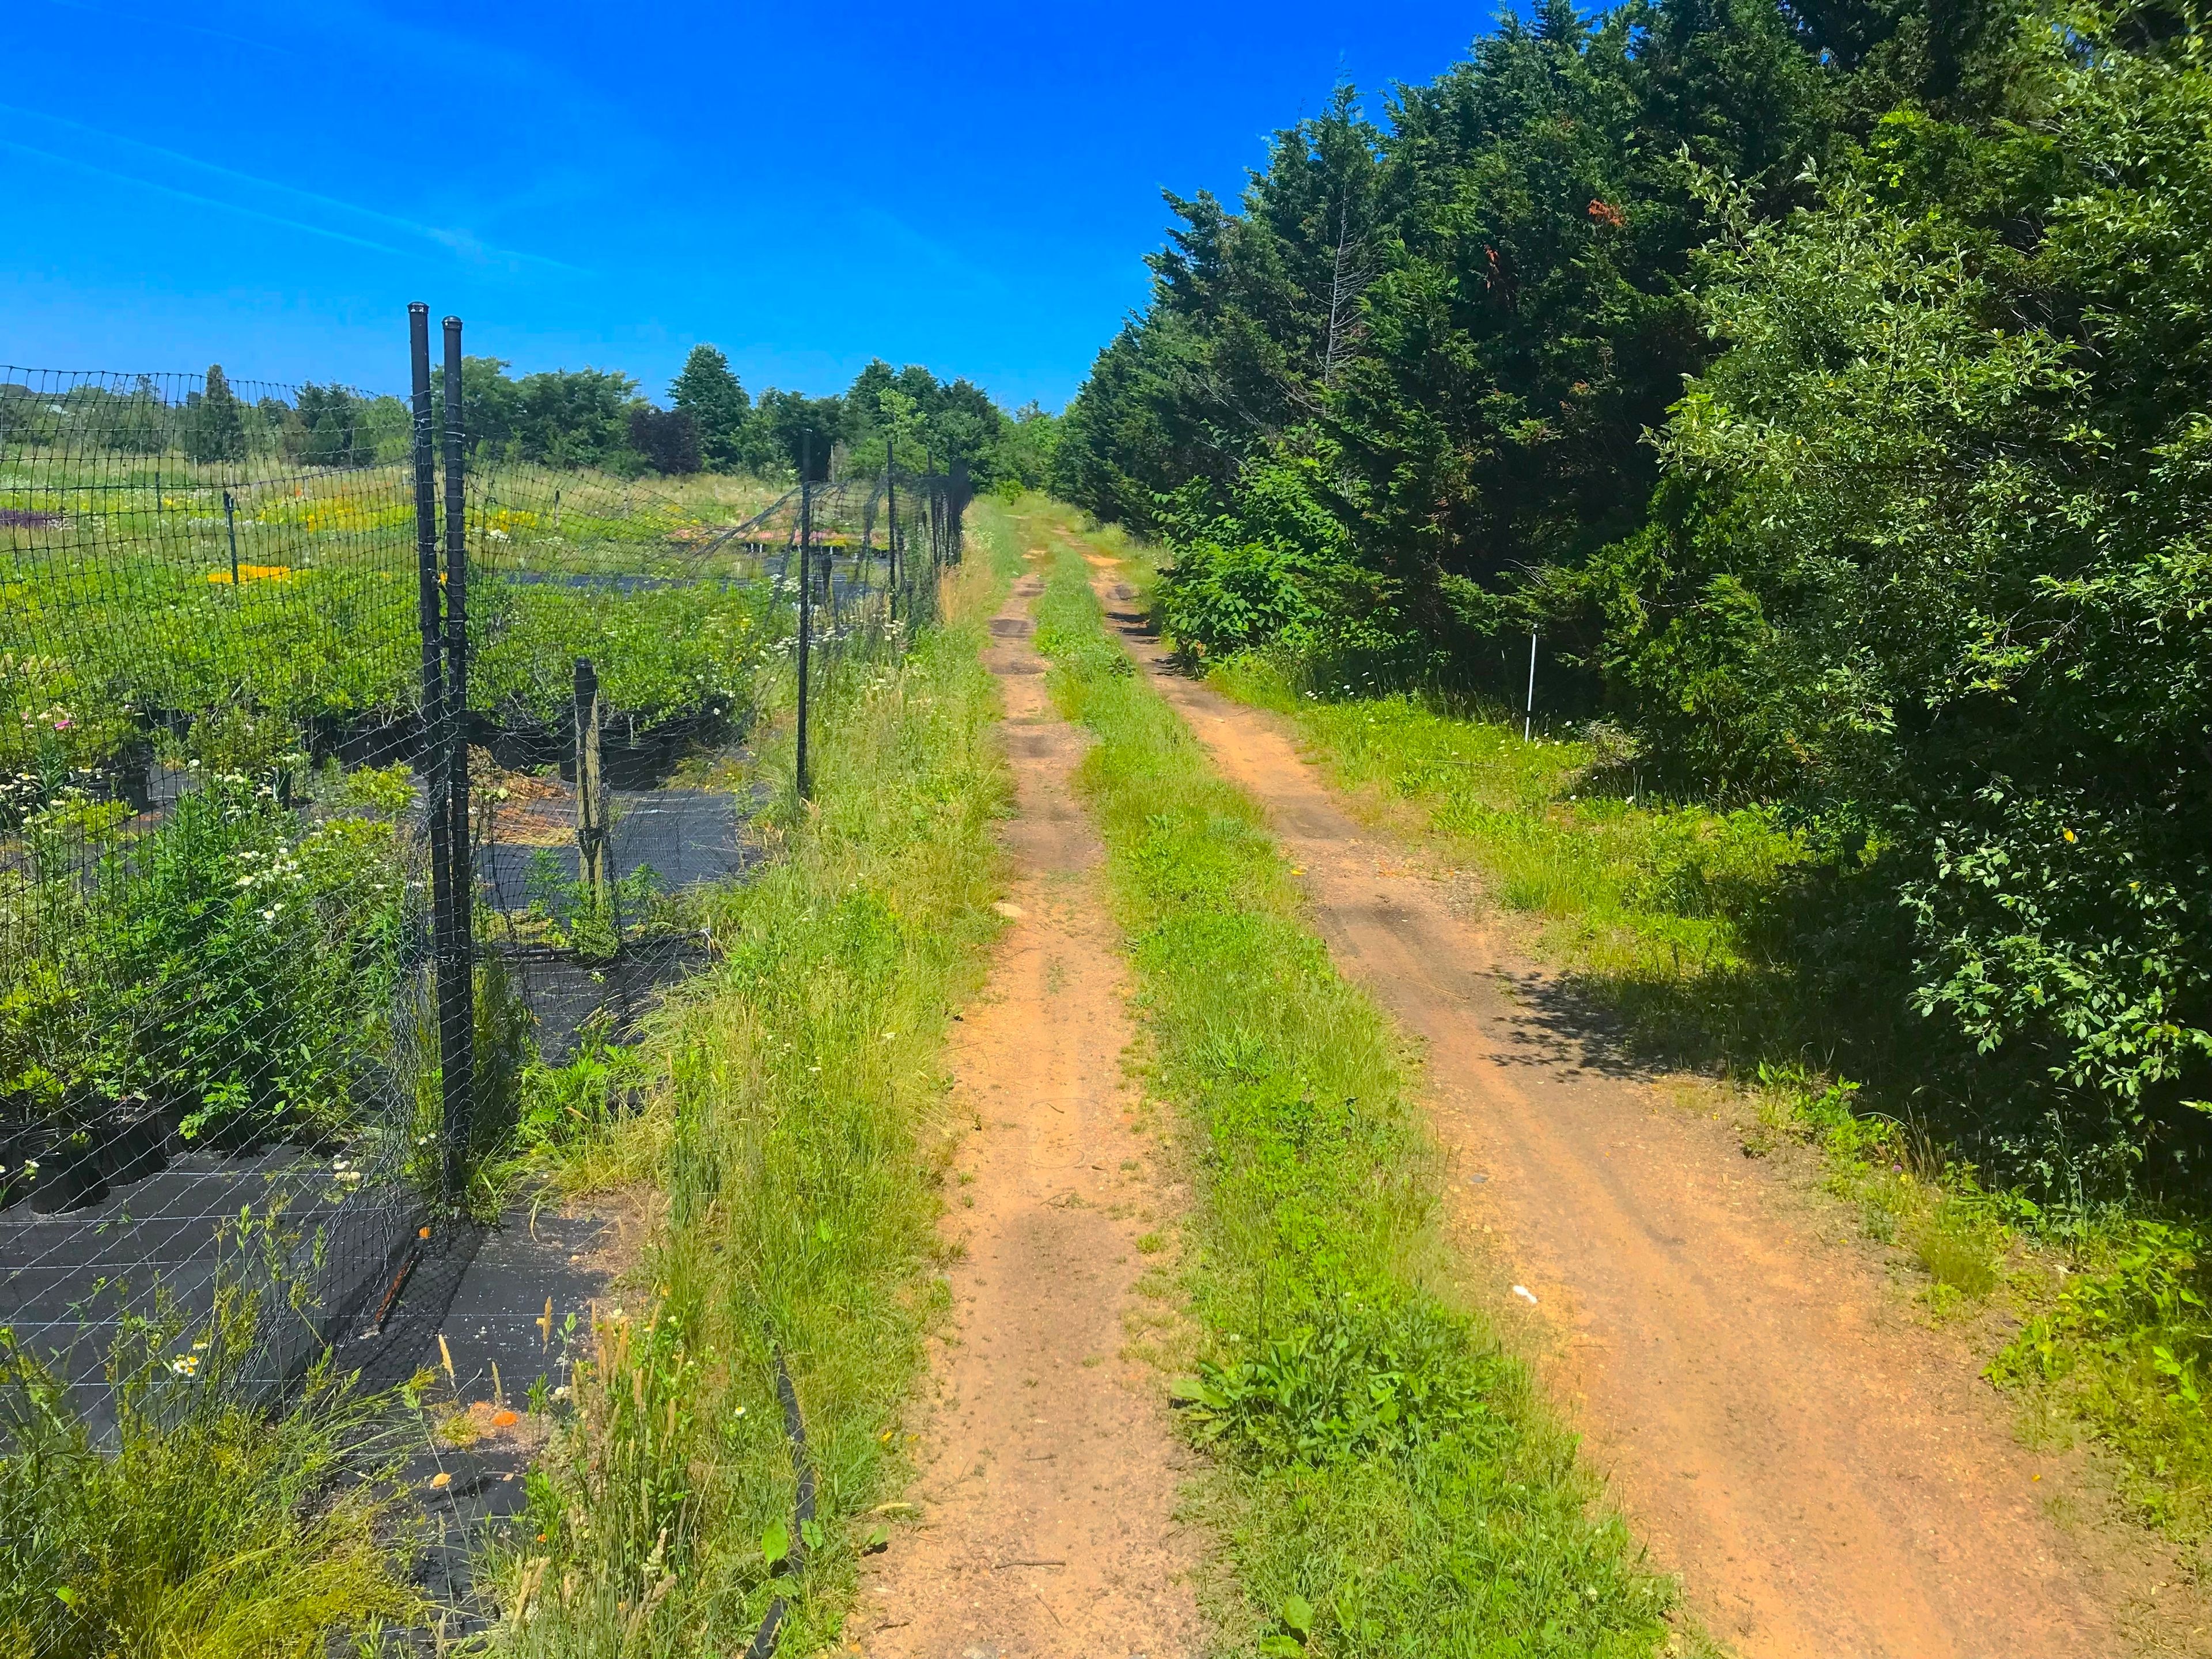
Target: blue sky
968, 186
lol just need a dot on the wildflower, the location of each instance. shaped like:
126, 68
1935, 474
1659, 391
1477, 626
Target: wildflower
185, 1364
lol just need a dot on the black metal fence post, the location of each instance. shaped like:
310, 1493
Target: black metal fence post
456, 965
230, 525
890, 541
435, 754
805, 591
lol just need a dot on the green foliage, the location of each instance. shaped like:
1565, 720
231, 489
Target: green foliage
1358, 1385
1388, 1483
214, 429
593, 923
324, 432
234, 965
662, 652
2127, 1342
208, 1528
1929, 561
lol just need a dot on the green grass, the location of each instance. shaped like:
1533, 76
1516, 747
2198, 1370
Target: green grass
1384, 1479
204, 1528
795, 1133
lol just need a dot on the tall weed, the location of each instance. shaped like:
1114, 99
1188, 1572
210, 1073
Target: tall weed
792, 1124
205, 1527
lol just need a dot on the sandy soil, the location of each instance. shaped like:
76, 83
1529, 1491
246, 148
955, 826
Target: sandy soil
1049, 1472
1831, 1478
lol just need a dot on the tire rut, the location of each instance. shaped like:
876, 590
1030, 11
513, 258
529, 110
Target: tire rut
1048, 1472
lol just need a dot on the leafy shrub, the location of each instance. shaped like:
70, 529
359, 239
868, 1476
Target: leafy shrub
1351, 1385
2129, 1342
234, 965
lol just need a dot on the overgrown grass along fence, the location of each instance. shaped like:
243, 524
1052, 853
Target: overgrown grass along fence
795, 1131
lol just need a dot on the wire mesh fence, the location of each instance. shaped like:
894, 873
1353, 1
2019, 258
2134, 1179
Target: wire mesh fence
347, 772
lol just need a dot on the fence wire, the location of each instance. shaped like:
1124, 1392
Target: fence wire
221, 765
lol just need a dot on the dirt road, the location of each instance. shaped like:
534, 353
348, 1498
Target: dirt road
1832, 1479
1050, 1474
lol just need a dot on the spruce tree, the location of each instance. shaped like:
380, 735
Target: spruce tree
710, 394
215, 428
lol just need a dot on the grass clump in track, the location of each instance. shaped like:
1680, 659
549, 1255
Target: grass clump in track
792, 1138
1384, 1479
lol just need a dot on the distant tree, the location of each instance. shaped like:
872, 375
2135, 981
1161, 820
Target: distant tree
276, 419
718, 405
215, 426
1026, 448
491, 404
787, 425
668, 438
576, 417
329, 431
137, 424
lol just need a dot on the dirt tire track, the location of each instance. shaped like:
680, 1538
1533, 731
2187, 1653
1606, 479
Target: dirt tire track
1050, 1474
1832, 1479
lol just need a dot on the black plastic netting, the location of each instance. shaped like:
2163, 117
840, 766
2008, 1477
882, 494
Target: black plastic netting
225, 756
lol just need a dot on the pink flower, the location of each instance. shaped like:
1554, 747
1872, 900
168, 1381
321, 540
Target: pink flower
63, 724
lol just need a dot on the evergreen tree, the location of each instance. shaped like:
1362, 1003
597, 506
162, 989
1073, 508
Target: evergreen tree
711, 394
215, 427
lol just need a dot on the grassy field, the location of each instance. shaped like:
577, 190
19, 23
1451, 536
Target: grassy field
1679, 920
792, 1142
1383, 1479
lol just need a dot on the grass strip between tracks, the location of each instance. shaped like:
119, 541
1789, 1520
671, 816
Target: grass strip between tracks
1384, 1479
792, 1137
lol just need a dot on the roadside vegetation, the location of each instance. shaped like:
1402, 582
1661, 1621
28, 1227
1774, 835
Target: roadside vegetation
1819, 393
1384, 1479
784, 1122
201, 1525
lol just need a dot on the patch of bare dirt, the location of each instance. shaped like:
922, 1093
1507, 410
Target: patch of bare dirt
1831, 1478
1049, 1472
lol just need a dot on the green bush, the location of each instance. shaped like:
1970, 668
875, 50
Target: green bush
236, 965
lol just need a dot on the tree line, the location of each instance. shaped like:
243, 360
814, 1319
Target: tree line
711, 422
1826, 386
572, 417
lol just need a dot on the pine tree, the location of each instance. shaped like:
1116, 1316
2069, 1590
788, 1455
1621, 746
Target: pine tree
216, 429
710, 394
